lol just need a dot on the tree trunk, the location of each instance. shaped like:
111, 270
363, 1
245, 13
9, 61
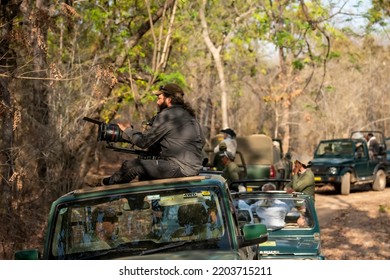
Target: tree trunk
7, 64
6, 157
39, 109
216, 53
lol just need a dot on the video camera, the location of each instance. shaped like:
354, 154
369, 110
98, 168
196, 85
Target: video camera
107, 132
112, 133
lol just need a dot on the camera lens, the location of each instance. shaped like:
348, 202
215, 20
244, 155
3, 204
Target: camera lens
113, 133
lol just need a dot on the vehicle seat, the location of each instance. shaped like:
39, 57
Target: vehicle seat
292, 217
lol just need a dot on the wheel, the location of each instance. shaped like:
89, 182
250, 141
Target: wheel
346, 183
379, 181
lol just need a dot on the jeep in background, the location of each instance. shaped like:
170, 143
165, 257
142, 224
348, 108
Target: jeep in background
345, 163
257, 152
178, 218
258, 156
254, 155
298, 238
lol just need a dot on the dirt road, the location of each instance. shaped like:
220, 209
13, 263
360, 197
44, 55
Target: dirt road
356, 226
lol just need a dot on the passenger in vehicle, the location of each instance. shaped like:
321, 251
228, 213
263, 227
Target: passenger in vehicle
289, 165
373, 145
104, 224
271, 211
359, 150
302, 221
328, 150
214, 227
177, 132
191, 218
268, 187
302, 179
230, 140
217, 162
231, 171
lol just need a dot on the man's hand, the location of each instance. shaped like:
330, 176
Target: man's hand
297, 167
124, 126
289, 190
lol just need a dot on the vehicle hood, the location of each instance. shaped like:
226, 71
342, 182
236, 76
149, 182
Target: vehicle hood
290, 246
188, 255
330, 161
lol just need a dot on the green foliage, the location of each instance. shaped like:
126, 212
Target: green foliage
334, 54
173, 77
379, 13
297, 64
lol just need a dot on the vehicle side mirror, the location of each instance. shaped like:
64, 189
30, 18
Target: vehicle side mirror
253, 234
28, 254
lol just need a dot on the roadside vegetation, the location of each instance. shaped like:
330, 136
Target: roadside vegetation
297, 70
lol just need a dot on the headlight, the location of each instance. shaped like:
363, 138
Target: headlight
332, 170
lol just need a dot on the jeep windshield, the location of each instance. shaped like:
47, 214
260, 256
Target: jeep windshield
276, 210
337, 148
139, 223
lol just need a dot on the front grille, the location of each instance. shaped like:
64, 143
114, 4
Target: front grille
319, 170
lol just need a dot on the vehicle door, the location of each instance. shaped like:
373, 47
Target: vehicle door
363, 165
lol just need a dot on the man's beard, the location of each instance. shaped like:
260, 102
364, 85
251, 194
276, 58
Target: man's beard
162, 106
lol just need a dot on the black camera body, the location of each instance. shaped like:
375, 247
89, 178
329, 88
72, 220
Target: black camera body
112, 133
109, 132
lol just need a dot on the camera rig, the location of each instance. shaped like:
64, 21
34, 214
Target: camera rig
111, 133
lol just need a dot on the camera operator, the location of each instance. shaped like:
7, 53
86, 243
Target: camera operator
177, 133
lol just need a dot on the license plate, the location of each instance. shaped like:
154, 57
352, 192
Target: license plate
317, 178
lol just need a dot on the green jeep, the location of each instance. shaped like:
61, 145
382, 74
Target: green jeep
291, 220
256, 155
178, 218
346, 162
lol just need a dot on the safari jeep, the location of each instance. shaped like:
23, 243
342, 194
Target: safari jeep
256, 155
346, 162
179, 218
297, 236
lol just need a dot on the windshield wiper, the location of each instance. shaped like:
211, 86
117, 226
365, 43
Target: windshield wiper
119, 249
177, 244
163, 248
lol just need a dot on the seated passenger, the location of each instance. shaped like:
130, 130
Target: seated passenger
302, 221
104, 221
190, 217
328, 150
197, 223
213, 228
268, 187
272, 212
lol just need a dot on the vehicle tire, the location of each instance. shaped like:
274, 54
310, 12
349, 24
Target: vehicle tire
379, 183
346, 184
